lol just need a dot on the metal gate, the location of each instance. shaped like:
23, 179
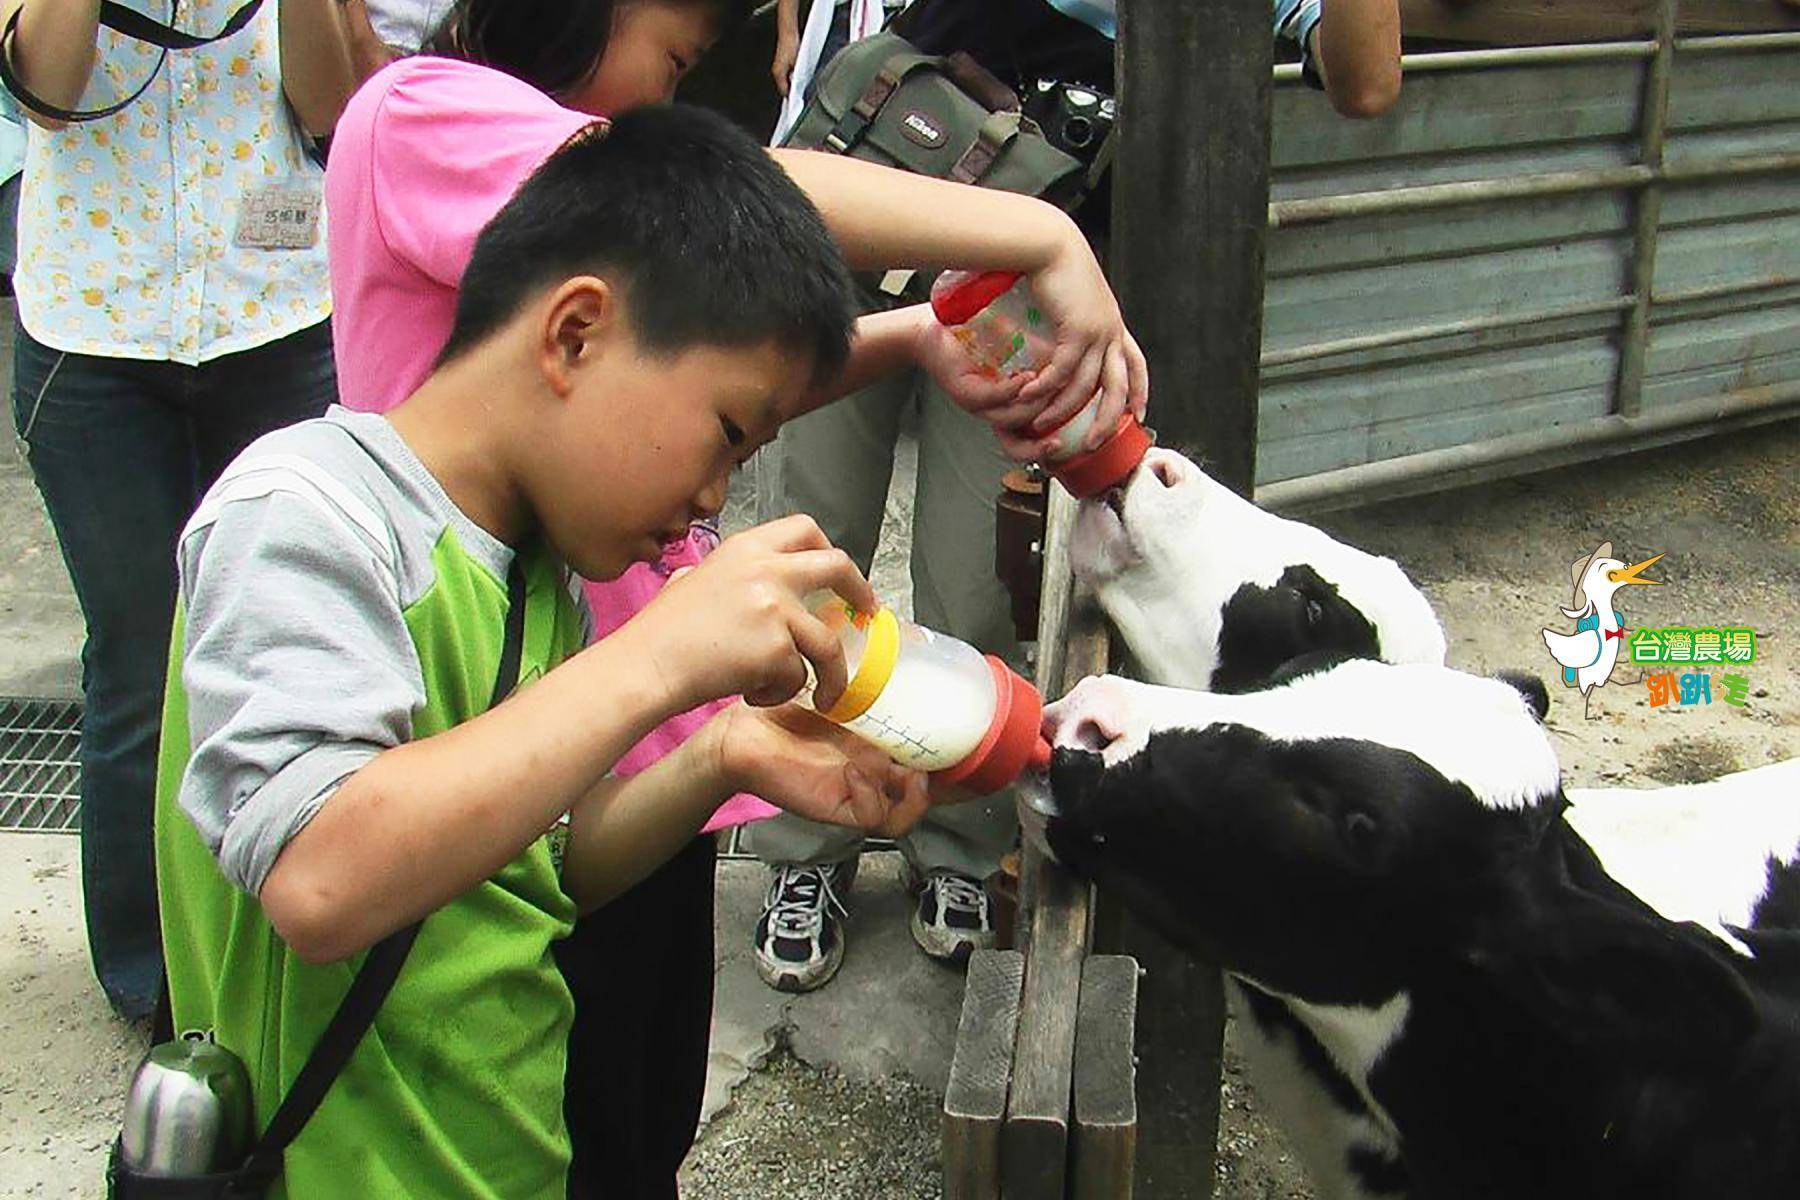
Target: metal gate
1542, 254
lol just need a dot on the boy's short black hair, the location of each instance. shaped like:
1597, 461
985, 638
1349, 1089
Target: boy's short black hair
709, 240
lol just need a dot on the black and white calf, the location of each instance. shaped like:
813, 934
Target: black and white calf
1379, 852
1720, 853
1211, 592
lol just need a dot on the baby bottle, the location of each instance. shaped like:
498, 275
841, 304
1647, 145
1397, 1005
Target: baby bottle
932, 702
993, 317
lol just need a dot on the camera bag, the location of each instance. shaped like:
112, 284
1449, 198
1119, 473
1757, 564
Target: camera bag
885, 101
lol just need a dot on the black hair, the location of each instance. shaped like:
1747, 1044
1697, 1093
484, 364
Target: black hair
708, 239
554, 45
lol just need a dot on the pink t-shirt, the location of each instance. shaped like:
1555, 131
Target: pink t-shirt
423, 157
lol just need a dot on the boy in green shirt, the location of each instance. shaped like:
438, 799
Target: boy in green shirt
329, 774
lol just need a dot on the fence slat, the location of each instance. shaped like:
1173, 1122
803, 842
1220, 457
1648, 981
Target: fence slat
1105, 1139
980, 1072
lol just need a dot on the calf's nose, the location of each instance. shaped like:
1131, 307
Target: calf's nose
1166, 467
1091, 717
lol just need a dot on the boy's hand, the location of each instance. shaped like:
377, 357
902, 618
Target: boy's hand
800, 762
737, 624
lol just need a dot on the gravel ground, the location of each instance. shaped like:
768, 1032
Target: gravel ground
798, 1130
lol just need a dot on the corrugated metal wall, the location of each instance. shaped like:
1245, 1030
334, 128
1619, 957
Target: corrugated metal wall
1405, 317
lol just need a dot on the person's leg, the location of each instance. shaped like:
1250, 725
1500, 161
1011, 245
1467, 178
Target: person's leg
641, 972
110, 454
956, 591
833, 464
685, 1028
239, 397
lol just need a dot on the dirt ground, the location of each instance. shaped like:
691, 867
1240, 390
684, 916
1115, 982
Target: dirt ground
1495, 560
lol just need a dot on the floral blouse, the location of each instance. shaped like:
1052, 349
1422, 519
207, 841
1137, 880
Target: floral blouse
129, 241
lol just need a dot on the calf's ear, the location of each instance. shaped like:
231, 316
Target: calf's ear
1602, 975
1536, 695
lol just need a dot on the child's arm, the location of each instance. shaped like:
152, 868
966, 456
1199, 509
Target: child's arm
622, 829
420, 823
316, 72
883, 217
368, 53
901, 338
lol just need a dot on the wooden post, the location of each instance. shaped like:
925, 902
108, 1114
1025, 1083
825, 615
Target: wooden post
1190, 205
1053, 913
1190, 200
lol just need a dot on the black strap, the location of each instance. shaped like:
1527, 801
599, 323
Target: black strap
880, 89
375, 978
133, 25
506, 678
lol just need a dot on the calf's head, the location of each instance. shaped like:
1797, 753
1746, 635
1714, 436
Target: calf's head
1358, 832
1313, 836
1211, 592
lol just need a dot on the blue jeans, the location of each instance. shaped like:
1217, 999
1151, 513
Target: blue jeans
122, 450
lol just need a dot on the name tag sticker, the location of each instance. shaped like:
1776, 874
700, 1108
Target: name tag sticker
279, 216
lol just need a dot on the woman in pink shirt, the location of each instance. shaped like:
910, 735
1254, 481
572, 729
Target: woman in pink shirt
425, 154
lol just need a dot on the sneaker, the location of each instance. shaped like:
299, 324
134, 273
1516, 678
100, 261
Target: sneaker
800, 936
952, 918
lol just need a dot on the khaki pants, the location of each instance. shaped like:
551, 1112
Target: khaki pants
835, 464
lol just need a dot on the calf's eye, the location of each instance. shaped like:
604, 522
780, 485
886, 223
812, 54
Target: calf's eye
1314, 612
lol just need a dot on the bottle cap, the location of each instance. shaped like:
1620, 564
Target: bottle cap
959, 304
1013, 741
1089, 474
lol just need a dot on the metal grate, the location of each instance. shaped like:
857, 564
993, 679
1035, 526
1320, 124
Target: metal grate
40, 771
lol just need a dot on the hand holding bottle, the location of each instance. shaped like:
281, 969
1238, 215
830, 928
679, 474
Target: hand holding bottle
804, 764
737, 624
996, 321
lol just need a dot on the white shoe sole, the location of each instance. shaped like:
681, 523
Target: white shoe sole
948, 945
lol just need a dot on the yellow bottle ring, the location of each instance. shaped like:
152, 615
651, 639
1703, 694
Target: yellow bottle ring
873, 673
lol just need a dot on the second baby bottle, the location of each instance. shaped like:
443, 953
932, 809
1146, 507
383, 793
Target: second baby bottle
994, 318
932, 702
